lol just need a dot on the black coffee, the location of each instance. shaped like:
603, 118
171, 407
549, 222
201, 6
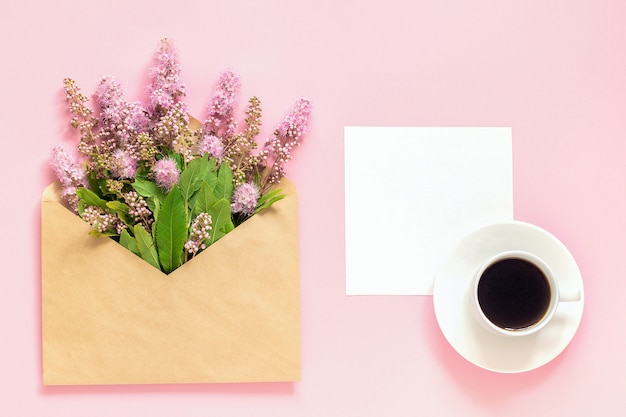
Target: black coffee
513, 293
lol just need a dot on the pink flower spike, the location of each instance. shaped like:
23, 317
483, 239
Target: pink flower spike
166, 173
70, 174
199, 232
295, 123
220, 119
245, 199
288, 134
109, 96
67, 169
165, 88
137, 119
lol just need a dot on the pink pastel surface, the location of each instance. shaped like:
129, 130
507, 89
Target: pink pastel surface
555, 71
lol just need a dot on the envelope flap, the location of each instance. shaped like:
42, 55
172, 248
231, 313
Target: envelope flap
52, 192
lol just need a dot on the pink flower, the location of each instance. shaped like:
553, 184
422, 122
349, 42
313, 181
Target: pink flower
70, 174
211, 145
124, 166
137, 119
109, 96
165, 88
101, 221
67, 168
221, 119
277, 149
245, 198
296, 122
121, 118
199, 232
166, 173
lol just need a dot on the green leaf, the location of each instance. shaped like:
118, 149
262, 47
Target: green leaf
145, 245
268, 199
106, 233
221, 220
121, 209
117, 206
178, 158
205, 199
154, 205
171, 231
228, 227
149, 189
211, 176
142, 172
191, 178
90, 198
129, 242
97, 185
224, 185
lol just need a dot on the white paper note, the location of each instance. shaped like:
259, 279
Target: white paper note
411, 193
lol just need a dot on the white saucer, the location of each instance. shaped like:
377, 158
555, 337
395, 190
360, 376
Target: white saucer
452, 304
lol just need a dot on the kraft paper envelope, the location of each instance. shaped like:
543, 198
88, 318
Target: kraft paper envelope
231, 314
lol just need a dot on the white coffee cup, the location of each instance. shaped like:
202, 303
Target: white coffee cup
515, 293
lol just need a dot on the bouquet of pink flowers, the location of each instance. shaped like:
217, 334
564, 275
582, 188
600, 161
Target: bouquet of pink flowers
163, 184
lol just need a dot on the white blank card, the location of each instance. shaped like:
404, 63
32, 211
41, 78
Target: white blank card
411, 193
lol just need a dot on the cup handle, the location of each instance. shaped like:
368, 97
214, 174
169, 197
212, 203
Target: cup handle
569, 294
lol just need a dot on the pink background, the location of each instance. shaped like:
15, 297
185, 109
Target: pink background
555, 71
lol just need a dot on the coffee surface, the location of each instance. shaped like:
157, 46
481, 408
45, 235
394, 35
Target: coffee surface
513, 293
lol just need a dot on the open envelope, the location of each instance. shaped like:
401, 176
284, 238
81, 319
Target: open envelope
232, 314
